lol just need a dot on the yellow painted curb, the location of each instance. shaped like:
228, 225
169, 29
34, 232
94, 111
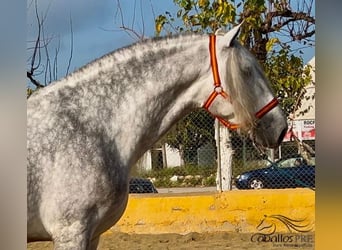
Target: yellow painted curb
233, 211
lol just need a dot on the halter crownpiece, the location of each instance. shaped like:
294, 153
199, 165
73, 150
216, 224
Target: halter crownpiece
218, 90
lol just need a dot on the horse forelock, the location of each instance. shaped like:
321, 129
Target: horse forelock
242, 71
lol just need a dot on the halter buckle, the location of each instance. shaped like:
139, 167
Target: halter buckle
218, 90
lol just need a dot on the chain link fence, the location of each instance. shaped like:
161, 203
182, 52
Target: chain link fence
198, 152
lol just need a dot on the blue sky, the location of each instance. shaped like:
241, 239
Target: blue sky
96, 27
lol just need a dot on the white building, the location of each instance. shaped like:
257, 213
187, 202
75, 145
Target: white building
154, 157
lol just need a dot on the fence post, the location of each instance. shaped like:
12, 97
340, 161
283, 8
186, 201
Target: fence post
224, 157
163, 147
218, 146
272, 154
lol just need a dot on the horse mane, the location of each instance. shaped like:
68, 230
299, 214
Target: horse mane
291, 224
131, 49
238, 84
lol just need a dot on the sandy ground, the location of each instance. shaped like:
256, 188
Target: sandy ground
213, 241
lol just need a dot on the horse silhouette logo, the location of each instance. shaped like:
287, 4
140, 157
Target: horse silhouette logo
268, 224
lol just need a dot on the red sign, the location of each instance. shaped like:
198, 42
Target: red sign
302, 129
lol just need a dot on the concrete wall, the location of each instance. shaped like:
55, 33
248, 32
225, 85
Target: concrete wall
234, 211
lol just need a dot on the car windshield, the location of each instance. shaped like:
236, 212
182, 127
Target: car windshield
294, 162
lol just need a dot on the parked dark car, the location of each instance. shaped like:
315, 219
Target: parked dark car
141, 185
284, 173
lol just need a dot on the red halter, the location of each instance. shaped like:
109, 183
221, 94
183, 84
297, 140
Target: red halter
218, 90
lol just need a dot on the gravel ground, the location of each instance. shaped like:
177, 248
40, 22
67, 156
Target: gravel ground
217, 241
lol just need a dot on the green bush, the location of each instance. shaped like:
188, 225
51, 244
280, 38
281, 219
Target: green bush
194, 176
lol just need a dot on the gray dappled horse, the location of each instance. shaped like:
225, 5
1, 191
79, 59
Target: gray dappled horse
86, 131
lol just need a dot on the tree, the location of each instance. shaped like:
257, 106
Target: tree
288, 76
191, 133
39, 51
279, 22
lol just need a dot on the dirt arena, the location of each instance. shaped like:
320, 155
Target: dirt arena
217, 241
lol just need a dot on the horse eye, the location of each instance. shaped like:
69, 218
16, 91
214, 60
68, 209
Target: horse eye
247, 71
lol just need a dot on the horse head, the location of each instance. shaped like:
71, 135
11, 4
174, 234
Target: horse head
245, 96
267, 225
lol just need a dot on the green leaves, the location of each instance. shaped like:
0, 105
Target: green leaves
200, 16
193, 131
29, 92
159, 23
270, 43
288, 76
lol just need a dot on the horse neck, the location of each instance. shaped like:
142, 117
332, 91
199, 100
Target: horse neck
150, 87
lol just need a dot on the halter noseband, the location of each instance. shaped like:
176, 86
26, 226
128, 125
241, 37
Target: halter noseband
218, 90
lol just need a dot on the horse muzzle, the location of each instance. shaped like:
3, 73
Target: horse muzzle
270, 129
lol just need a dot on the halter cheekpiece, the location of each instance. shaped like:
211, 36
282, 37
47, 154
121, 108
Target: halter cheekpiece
218, 90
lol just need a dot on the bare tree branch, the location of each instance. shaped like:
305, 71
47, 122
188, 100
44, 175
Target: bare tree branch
48, 62
131, 31
55, 61
41, 49
35, 65
292, 21
37, 44
142, 20
34, 81
71, 46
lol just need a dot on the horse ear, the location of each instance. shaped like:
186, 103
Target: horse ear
231, 35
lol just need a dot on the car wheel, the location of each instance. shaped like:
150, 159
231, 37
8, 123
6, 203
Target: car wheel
256, 183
